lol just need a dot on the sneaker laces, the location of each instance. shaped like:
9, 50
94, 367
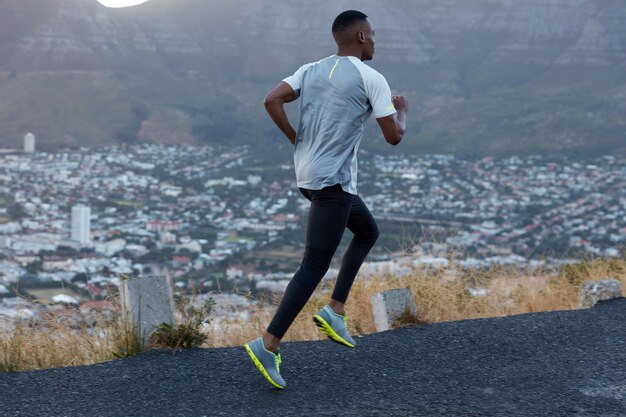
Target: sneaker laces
344, 322
279, 361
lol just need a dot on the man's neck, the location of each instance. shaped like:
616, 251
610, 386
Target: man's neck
349, 52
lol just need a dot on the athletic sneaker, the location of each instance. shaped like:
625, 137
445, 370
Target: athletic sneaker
334, 326
267, 362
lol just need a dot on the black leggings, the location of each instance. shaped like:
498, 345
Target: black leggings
332, 210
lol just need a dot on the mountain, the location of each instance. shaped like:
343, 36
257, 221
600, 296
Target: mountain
482, 76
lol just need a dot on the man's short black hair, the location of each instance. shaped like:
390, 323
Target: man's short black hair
347, 19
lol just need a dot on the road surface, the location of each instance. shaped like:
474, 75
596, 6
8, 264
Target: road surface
570, 363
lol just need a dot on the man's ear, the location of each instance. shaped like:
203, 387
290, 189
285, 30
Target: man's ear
360, 37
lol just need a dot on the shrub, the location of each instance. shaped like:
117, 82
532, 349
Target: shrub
187, 334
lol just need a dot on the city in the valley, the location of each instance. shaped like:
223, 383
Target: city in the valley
225, 222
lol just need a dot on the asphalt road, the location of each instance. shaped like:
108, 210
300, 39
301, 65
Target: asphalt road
544, 364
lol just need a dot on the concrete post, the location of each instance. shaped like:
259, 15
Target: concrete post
593, 291
389, 306
147, 302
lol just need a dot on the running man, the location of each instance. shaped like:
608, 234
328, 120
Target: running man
337, 95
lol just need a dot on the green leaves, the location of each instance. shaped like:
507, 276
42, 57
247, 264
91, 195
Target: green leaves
187, 334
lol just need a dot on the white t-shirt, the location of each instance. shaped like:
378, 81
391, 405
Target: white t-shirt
337, 95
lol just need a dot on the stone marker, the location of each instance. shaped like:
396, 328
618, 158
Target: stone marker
593, 291
390, 305
147, 302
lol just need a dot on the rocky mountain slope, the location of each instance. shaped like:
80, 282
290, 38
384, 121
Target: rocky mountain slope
483, 76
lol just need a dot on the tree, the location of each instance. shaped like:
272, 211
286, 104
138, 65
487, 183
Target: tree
80, 277
16, 212
34, 267
66, 251
187, 252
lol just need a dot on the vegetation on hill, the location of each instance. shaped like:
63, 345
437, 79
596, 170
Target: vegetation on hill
440, 295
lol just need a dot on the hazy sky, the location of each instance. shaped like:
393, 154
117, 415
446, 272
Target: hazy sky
121, 3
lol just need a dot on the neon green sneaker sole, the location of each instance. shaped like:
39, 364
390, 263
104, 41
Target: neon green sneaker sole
329, 331
260, 366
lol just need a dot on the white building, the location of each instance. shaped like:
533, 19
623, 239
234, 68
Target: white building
254, 179
111, 247
81, 224
29, 143
167, 237
163, 226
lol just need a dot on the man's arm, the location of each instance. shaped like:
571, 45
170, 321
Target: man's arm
274, 105
394, 126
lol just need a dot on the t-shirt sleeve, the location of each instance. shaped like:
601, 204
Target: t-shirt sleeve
295, 80
379, 94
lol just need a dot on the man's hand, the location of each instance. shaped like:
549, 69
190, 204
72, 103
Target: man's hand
394, 126
400, 103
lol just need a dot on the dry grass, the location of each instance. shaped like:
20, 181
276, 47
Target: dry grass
438, 298
59, 341
440, 295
